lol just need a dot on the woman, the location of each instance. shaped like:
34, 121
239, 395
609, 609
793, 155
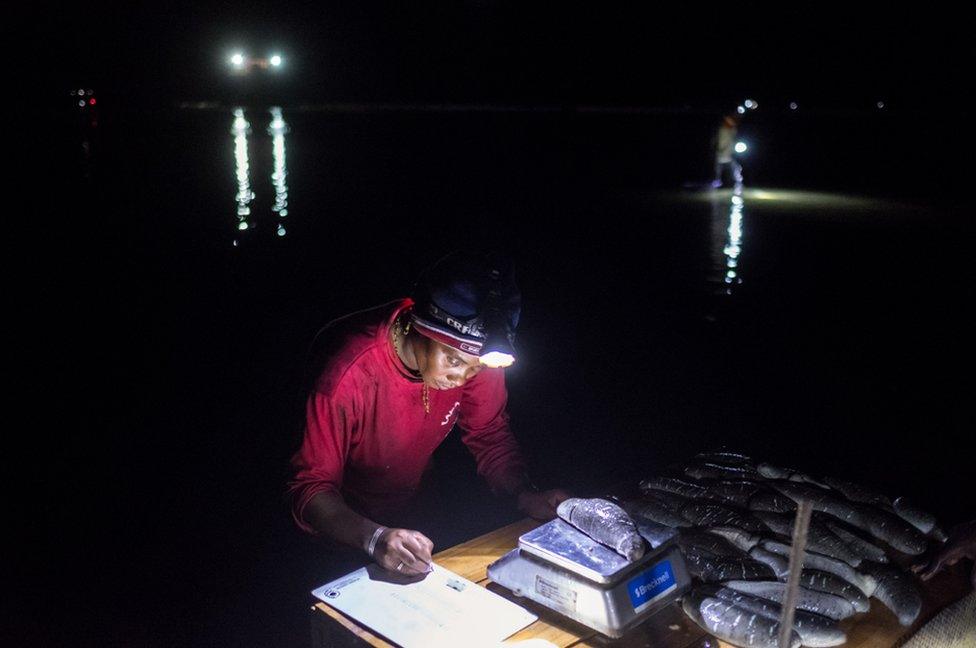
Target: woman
394, 381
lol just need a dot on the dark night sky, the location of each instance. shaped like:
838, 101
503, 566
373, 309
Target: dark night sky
505, 52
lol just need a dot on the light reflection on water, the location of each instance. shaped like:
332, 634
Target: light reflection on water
727, 218
240, 130
279, 176
246, 216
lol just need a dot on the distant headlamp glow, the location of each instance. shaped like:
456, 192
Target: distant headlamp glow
496, 359
740, 147
237, 59
741, 110
276, 60
750, 104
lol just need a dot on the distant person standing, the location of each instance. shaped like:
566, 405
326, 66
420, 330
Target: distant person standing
726, 165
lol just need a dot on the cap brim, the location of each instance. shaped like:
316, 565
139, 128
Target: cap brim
450, 338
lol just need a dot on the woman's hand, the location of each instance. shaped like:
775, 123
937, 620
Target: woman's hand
961, 544
404, 551
541, 506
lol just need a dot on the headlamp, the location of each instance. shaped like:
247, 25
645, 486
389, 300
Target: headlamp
498, 349
469, 304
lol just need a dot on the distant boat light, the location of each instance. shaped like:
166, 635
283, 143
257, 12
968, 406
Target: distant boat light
741, 110
740, 147
276, 60
237, 59
750, 104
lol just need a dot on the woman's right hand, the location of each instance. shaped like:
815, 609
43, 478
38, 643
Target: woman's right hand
404, 551
961, 544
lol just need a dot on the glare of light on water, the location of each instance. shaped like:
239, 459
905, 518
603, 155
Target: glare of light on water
733, 247
277, 124
279, 176
240, 124
796, 202
244, 193
733, 243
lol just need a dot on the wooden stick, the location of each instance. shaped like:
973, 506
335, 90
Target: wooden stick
800, 528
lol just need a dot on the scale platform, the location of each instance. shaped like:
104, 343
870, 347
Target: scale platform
562, 568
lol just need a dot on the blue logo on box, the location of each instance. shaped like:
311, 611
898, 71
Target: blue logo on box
648, 586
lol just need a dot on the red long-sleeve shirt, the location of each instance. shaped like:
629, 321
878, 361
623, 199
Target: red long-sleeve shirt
367, 435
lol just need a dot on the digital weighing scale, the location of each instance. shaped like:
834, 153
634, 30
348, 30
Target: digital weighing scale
562, 568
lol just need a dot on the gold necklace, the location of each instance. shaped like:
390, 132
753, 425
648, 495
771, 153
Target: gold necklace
399, 334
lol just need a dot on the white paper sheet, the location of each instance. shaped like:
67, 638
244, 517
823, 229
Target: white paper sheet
443, 609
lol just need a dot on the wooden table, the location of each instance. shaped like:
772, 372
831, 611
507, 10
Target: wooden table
670, 628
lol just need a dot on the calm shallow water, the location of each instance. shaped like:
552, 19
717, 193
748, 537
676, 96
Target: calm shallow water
841, 344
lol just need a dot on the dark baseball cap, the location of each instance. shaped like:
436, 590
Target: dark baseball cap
465, 298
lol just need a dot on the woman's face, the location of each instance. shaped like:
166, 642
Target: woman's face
444, 367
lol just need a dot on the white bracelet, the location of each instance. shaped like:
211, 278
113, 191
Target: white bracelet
372, 541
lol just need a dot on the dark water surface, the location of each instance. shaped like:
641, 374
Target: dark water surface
175, 339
